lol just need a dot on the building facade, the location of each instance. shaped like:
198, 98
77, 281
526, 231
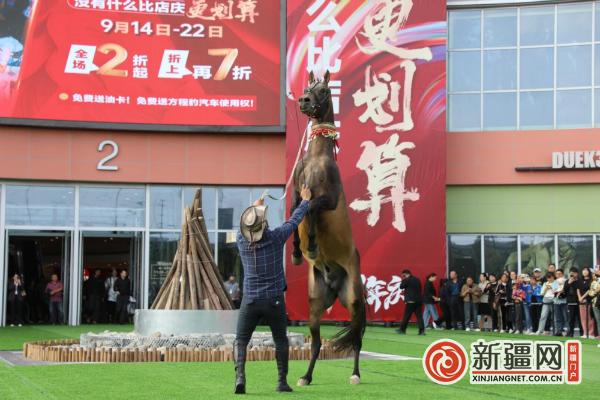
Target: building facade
522, 141
60, 213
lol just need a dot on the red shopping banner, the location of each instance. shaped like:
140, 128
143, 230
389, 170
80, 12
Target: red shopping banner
175, 62
387, 60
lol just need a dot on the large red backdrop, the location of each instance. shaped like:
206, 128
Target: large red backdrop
387, 59
181, 62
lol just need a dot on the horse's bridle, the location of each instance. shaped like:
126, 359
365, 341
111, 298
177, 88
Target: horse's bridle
317, 106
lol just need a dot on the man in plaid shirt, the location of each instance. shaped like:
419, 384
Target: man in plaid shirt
261, 252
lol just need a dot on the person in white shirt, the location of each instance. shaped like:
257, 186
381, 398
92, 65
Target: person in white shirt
547, 302
109, 284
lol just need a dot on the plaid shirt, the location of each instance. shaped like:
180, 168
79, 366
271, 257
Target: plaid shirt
264, 277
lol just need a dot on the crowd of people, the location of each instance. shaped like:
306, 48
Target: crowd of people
20, 308
108, 300
104, 300
556, 303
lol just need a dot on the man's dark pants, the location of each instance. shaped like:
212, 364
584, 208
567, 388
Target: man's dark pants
455, 311
417, 309
272, 311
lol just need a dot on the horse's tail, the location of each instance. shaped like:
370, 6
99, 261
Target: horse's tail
352, 335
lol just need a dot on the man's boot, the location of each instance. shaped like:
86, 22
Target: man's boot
282, 369
240, 370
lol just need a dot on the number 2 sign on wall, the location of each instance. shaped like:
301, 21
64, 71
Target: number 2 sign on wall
103, 163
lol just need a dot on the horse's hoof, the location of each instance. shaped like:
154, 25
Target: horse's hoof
296, 260
312, 254
303, 382
354, 380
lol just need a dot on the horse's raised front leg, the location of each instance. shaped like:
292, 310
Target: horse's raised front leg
296, 253
321, 297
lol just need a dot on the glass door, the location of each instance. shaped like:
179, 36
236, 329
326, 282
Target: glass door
38, 258
104, 254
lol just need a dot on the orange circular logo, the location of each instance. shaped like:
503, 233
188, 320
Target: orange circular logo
445, 361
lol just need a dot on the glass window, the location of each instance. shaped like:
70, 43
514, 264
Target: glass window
543, 64
597, 107
573, 108
467, 65
574, 23
163, 247
112, 206
597, 263
499, 69
40, 205
575, 251
597, 33
537, 251
464, 112
597, 63
276, 210
537, 111
465, 29
165, 207
230, 262
464, 254
537, 68
537, 25
499, 111
232, 202
500, 253
574, 66
500, 27
209, 200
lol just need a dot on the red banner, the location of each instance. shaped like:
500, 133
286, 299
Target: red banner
388, 84
180, 62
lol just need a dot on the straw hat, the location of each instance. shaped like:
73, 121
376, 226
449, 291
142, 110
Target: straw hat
253, 223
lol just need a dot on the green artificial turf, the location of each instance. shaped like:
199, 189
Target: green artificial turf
380, 379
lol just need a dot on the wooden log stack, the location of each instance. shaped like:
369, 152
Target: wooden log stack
69, 351
194, 281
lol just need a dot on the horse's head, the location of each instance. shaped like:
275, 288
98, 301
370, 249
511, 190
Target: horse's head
316, 100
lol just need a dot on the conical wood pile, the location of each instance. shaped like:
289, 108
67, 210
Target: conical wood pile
194, 281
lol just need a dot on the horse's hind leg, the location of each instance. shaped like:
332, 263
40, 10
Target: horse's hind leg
296, 253
352, 297
321, 297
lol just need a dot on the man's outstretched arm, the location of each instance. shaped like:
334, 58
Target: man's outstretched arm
283, 232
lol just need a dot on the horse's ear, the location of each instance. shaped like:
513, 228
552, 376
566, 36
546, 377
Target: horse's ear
311, 78
326, 78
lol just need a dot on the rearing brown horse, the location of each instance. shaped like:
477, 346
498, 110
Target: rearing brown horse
325, 236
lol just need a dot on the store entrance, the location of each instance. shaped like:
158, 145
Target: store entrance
106, 255
35, 256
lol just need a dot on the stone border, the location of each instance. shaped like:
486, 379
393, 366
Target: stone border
67, 351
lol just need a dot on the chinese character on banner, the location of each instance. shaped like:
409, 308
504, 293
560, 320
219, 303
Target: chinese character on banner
140, 66
81, 59
322, 56
247, 10
386, 168
241, 73
202, 71
378, 289
379, 28
173, 64
219, 11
